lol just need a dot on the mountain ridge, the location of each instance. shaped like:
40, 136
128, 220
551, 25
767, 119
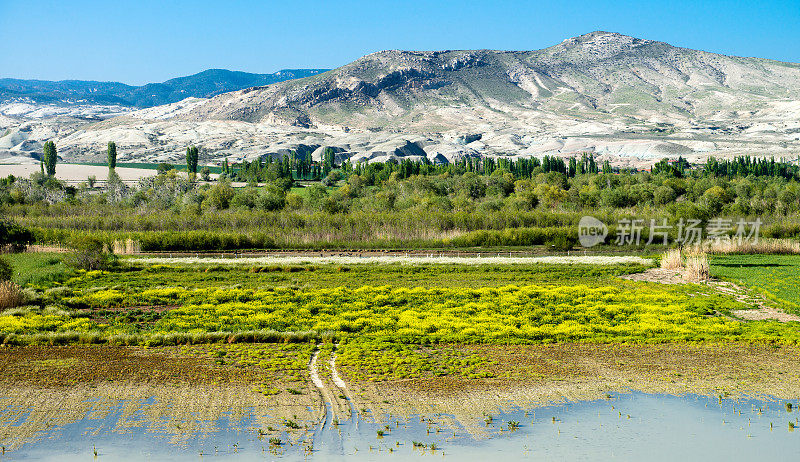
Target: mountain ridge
204, 84
628, 100
583, 66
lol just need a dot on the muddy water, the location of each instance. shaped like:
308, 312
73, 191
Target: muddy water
626, 427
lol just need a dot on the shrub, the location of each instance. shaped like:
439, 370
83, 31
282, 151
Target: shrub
220, 195
5, 270
14, 236
664, 195
164, 168
563, 242
271, 198
90, 254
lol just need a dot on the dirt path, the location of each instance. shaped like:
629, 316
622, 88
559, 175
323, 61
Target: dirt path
764, 311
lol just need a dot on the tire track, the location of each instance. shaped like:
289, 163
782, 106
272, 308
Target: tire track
324, 392
334, 404
337, 380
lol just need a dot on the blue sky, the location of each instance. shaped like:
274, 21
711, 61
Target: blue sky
149, 41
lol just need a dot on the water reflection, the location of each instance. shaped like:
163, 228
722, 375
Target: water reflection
633, 426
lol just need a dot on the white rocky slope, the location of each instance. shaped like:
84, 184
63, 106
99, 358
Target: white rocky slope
628, 100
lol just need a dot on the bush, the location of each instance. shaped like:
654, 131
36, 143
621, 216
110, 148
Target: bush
90, 254
271, 198
5, 270
14, 236
559, 237
563, 242
664, 195
220, 195
164, 168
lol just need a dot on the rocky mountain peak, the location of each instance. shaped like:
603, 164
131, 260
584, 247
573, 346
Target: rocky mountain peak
600, 44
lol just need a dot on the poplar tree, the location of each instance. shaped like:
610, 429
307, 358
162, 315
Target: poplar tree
192, 155
112, 155
50, 158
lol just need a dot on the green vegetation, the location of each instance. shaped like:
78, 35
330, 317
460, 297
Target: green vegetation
37, 269
50, 158
112, 155
384, 360
417, 306
486, 203
775, 276
289, 360
5, 270
14, 237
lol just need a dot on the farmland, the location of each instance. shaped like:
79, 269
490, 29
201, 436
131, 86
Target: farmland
399, 338
775, 276
153, 304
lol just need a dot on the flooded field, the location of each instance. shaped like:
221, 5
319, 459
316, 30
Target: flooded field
634, 426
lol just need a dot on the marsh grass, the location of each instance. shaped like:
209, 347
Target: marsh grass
11, 295
158, 339
693, 263
697, 268
763, 246
291, 424
672, 259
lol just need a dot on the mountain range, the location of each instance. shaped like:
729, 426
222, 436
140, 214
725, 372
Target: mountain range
204, 84
628, 100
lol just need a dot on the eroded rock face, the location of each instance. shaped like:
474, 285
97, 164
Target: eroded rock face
630, 101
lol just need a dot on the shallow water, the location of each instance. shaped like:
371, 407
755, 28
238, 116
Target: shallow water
627, 427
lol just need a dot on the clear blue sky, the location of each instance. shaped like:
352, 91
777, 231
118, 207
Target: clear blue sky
149, 41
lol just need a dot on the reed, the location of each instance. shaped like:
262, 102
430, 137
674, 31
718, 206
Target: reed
696, 267
762, 246
11, 296
672, 259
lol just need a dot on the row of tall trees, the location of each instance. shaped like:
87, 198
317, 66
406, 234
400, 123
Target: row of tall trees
50, 157
300, 166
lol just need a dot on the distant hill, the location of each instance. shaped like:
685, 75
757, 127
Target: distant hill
627, 100
202, 85
599, 77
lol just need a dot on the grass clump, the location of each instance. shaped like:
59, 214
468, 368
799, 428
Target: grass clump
291, 424
697, 268
11, 295
694, 266
672, 259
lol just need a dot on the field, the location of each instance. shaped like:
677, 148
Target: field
276, 342
158, 304
775, 276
